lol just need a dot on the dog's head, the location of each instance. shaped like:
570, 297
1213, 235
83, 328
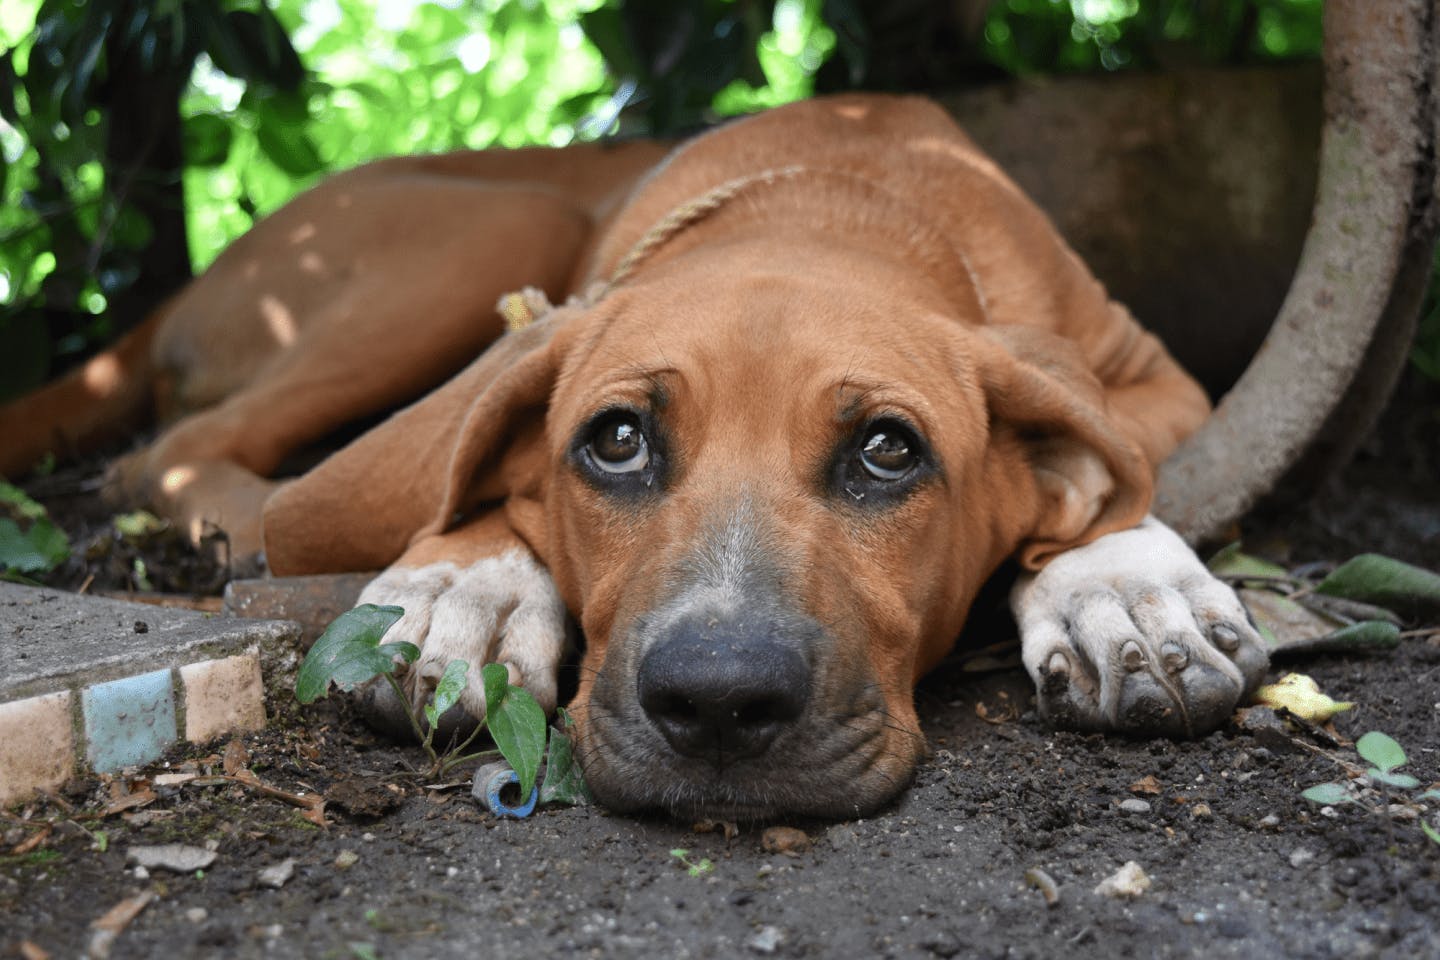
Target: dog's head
769, 485
770, 493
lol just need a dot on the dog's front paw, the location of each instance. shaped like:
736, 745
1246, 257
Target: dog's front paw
502, 609
1131, 633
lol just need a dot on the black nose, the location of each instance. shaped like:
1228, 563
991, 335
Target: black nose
722, 691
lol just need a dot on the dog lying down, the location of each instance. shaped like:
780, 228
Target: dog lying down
819, 373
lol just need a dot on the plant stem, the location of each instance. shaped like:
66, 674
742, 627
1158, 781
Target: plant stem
410, 713
450, 760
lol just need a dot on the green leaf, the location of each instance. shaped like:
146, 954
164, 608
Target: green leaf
39, 549
20, 501
1327, 794
1380, 750
1430, 795
349, 652
289, 149
517, 724
1401, 780
1231, 562
447, 692
1430, 831
495, 682
207, 140
564, 783
1389, 583
1366, 636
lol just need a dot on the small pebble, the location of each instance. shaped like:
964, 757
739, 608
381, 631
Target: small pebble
277, 875
197, 914
1129, 881
1300, 856
1201, 810
765, 940
346, 859
1269, 822
1135, 805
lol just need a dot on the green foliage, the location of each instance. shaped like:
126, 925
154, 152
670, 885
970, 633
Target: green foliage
1385, 756
1357, 607
350, 653
1031, 36
1371, 578
517, 724
29, 542
78, 193
695, 868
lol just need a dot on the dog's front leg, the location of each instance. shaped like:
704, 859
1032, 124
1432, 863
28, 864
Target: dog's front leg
1131, 633
475, 593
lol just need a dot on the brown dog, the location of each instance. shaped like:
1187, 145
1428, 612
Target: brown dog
823, 371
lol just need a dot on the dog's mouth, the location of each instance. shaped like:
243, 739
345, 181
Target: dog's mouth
836, 765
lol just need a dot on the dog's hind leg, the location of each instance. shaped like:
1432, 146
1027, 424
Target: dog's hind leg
411, 304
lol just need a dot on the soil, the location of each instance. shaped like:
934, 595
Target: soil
1239, 863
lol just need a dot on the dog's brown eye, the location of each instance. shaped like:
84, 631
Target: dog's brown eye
619, 445
888, 454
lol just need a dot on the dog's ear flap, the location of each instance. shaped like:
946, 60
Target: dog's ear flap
478, 438
1090, 477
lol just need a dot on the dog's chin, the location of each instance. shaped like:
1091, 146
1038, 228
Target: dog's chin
784, 784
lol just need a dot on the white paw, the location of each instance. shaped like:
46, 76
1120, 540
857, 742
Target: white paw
502, 609
1131, 633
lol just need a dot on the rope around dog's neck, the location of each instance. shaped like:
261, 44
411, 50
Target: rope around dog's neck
523, 307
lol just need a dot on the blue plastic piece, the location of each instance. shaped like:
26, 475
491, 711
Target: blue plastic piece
490, 780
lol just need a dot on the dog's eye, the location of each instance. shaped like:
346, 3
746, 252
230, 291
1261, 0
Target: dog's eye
618, 445
889, 452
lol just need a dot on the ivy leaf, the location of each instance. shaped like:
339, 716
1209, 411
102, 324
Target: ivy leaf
517, 724
564, 782
1371, 578
1381, 750
1327, 794
20, 502
39, 549
349, 652
447, 692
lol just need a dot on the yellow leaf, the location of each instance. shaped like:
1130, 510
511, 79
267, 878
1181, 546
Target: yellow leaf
1301, 696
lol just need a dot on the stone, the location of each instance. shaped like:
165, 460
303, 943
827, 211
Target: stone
1129, 881
179, 857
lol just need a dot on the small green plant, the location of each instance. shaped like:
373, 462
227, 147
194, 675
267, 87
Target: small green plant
1385, 756
29, 542
1361, 605
350, 652
696, 868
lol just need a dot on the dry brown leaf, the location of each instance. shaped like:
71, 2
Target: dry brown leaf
728, 827
786, 840
129, 802
1146, 785
237, 757
113, 922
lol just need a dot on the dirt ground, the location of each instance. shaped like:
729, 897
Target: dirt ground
1239, 864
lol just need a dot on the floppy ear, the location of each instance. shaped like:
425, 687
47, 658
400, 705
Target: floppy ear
1091, 478
478, 438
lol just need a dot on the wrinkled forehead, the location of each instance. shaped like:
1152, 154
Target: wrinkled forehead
768, 341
